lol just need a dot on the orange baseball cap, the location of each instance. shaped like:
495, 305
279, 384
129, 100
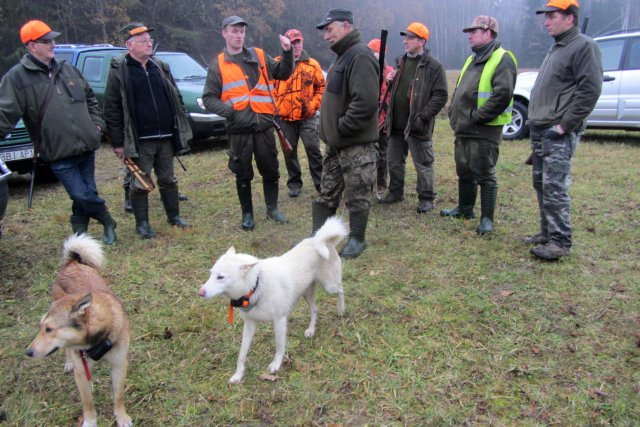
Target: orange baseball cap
294, 35
554, 5
417, 29
36, 30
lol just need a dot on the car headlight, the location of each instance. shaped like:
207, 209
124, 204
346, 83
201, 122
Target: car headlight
200, 103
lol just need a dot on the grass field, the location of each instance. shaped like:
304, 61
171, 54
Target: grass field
442, 327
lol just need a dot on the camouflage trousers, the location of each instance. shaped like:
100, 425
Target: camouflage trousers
351, 171
551, 177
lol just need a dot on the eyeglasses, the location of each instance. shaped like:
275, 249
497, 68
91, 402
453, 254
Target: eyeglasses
145, 41
44, 41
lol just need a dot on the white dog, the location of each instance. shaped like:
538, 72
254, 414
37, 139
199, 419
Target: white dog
267, 289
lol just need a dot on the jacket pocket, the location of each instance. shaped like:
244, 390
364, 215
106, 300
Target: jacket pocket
75, 89
336, 80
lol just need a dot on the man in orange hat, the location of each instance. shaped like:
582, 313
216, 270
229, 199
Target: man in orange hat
381, 181
480, 107
418, 93
564, 94
63, 118
298, 100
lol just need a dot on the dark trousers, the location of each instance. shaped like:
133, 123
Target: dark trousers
77, 175
382, 144
307, 131
476, 160
423, 158
242, 148
157, 155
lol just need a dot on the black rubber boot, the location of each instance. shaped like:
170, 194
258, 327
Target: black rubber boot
488, 195
79, 224
140, 203
128, 207
109, 224
271, 200
246, 204
320, 213
171, 203
467, 191
358, 227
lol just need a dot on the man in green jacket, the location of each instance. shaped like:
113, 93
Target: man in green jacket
60, 111
146, 121
565, 92
418, 93
239, 87
480, 106
349, 127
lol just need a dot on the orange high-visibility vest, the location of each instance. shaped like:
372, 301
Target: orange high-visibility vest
235, 90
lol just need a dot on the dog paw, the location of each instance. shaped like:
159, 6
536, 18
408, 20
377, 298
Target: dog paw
68, 367
235, 379
124, 421
309, 332
274, 367
90, 423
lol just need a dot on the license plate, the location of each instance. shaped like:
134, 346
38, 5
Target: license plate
10, 156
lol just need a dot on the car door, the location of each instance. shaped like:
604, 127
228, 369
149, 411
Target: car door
629, 100
606, 109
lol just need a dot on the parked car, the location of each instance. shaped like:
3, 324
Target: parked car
619, 104
93, 61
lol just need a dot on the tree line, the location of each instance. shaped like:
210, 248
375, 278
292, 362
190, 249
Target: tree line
194, 26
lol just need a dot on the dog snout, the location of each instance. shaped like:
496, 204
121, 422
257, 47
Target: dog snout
29, 352
202, 292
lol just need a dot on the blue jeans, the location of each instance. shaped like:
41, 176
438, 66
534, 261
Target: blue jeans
77, 175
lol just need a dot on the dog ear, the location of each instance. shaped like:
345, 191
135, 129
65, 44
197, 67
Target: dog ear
246, 267
231, 251
79, 307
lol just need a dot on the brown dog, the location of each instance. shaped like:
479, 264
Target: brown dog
88, 321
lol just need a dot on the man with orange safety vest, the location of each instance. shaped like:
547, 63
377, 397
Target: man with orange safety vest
239, 87
298, 100
480, 106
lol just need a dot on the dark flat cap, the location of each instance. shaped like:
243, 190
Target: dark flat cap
134, 29
341, 15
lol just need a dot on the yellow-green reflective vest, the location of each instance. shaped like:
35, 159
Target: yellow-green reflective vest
485, 88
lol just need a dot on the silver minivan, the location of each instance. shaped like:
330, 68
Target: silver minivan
619, 104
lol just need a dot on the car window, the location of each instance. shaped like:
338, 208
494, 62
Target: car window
92, 69
65, 56
633, 58
611, 53
183, 66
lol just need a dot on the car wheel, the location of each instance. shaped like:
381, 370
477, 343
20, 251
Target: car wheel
517, 129
45, 175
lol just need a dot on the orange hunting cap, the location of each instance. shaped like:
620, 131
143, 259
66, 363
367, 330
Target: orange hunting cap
374, 45
565, 5
416, 29
36, 30
134, 29
294, 35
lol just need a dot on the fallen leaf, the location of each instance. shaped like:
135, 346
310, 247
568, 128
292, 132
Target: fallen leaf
506, 293
268, 377
535, 350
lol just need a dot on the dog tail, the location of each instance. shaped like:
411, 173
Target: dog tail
329, 235
84, 249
